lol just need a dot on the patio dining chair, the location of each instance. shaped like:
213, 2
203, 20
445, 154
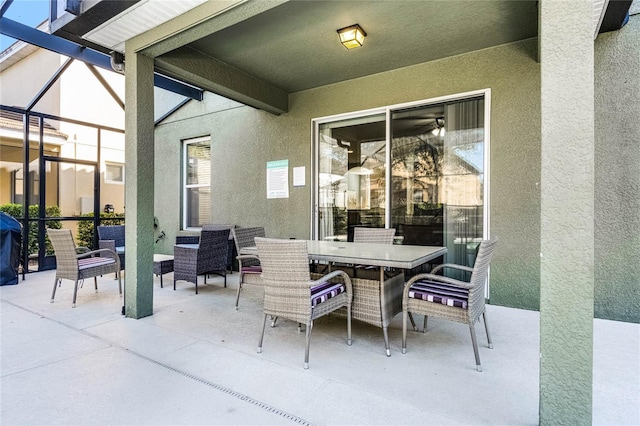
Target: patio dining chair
230, 245
366, 235
112, 237
209, 256
77, 263
290, 293
450, 299
363, 234
248, 264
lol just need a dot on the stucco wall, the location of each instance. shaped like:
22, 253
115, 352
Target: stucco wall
617, 173
244, 139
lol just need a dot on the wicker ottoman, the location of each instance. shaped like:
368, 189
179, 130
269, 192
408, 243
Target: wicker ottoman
162, 263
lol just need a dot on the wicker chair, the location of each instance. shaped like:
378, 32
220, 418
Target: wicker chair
451, 299
248, 265
371, 236
73, 266
230, 246
289, 291
209, 256
112, 237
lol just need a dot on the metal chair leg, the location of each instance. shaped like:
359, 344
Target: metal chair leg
95, 283
475, 346
306, 350
486, 327
386, 340
405, 314
75, 294
349, 341
264, 323
424, 325
413, 323
55, 286
238, 292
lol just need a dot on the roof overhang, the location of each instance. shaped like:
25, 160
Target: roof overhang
258, 52
105, 25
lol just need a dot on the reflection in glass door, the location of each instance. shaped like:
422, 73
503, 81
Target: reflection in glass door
437, 190
419, 168
351, 176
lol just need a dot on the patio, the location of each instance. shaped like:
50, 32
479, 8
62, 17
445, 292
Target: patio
194, 362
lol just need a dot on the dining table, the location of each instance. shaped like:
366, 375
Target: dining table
375, 301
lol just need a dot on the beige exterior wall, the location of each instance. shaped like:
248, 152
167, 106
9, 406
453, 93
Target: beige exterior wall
21, 82
617, 172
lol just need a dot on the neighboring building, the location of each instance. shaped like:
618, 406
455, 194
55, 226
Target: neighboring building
77, 95
12, 159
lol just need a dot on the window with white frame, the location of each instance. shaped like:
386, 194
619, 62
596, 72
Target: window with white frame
114, 173
196, 194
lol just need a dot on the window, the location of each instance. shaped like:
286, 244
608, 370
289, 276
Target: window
114, 173
196, 194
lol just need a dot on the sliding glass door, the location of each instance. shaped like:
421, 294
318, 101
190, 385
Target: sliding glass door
437, 176
352, 176
420, 168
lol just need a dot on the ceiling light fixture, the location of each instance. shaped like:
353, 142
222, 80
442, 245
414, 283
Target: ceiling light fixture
352, 37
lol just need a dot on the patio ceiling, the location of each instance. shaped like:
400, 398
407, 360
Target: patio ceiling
294, 46
279, 47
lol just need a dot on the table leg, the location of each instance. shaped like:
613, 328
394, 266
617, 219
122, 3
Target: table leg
382, 304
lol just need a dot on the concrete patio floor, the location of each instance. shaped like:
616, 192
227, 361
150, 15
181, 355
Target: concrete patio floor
194, 362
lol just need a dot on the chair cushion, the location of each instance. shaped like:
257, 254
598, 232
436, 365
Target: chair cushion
437, 292
252, 269
325, 291
92, 262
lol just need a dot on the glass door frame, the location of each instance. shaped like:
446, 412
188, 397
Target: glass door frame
387, 110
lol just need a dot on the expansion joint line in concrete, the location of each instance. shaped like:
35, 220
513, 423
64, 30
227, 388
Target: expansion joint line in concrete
215, 386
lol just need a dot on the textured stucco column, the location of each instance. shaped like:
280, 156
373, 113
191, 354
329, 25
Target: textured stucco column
567, 211
139, 160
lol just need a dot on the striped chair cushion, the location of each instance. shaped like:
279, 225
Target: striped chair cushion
437, 292
325, 291
252, 269
92, 262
